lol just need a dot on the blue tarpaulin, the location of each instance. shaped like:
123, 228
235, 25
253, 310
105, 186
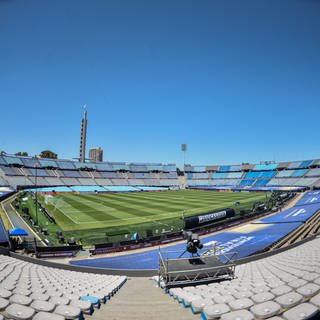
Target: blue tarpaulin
310, 197
3, 233
245, 240
294, 214
17, 232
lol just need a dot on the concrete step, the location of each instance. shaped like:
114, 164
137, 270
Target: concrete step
140, 298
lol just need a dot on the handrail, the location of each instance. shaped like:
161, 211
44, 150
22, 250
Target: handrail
202, 269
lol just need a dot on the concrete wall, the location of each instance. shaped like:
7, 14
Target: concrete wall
136, 273
47, 263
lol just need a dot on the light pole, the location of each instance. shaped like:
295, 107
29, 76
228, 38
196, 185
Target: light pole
184, 149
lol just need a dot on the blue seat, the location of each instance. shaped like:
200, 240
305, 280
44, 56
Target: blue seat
94, 300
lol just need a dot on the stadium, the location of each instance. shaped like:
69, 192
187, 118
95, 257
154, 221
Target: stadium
193, 189
121, 220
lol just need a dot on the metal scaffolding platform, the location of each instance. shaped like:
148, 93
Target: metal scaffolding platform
195, 269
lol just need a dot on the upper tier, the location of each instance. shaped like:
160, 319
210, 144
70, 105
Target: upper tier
254, 167
19, 171
304, 173
30, 162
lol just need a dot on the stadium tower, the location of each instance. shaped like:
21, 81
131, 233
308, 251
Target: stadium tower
83, 137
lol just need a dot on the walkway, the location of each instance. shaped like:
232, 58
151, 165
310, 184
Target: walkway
140, 298
18, 222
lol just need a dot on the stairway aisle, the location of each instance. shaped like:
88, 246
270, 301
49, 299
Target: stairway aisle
141, 299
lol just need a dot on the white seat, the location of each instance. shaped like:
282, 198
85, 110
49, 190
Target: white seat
22, 291
38, 290
20, 299
59, 300
316, 300
297, 283
301, 311
39, 296
260, 289
238, 315
8, 286
310, 276
243, 294
240, 304
84, 306
71, 296
40, 305
275, 284
4, 293
262, 297
265, 310
47, 316
215, 311
188, 298
223, 299
281, 290
309, 290
3, 303
69, 312
200, 303
19, 312
289, 300
53, 293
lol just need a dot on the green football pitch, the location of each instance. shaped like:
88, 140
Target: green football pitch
97, 218
90, 211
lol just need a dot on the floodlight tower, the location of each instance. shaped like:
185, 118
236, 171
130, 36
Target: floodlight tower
83, 136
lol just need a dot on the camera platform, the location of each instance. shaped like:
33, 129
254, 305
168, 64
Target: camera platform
192, 270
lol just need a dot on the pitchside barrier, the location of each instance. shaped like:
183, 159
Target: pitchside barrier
61, 251
133, 244
208, 218
169, 237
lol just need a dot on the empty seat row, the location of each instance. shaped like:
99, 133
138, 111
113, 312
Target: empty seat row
282, 286
32, 291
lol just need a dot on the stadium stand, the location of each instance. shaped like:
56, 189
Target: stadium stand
261, 183
5, 191
88, 189
3, 182
33, 291
300, 164
22, 172
282, 286
51, 189
295, 175
313, 172
269, 166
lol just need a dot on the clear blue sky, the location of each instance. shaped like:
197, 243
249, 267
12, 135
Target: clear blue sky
237, 80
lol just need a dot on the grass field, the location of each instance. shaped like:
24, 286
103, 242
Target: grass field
95, 216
